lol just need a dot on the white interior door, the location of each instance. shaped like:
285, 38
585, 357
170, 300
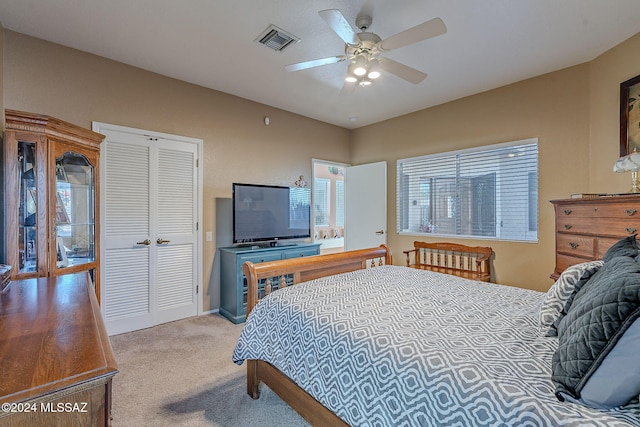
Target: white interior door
365, 206
176, 231
150, 241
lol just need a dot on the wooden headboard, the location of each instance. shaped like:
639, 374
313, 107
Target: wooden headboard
287, 272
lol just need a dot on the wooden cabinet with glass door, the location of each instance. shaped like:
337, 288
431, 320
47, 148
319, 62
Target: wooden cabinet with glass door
52, 209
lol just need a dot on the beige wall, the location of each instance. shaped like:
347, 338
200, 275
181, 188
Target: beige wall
574, 112
46, 78
607, 72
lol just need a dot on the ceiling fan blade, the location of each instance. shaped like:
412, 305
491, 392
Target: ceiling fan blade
426, 30
315, 63
340, 25
403, 71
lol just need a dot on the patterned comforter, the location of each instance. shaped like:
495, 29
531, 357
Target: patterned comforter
394, 346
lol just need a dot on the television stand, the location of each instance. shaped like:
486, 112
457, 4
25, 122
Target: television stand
233, 284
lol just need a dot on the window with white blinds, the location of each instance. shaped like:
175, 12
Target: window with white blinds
321, 207
489, 192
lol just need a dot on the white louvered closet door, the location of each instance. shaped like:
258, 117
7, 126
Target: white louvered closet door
176, 225
149, 237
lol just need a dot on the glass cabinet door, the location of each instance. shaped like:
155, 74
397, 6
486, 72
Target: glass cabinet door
27, 208
74, 210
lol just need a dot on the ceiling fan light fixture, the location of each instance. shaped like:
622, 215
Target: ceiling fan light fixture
351, 76
364, 82
360, 65
362, 49
373, 69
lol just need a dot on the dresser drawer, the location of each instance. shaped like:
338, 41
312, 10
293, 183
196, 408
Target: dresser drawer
565, 261
598, 226
587, 248
611, 210
258, 258
576, 245
604, 243
297, 253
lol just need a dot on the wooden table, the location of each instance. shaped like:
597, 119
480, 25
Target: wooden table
56, 361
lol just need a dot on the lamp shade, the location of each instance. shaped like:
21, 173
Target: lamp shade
360, 65
373, 71
628, 163
351, 77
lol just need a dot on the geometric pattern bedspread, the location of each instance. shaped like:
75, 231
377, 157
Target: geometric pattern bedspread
396, 346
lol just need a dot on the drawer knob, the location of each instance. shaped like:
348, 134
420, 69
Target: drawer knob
573, 245
567, 211
631, 230
568, 226
630, 212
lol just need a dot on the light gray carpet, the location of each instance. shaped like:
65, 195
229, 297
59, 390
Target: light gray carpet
181, 374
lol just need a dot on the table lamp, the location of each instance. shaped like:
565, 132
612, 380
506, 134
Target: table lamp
630, 163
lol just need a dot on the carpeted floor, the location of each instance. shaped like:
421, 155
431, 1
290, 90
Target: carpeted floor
181, 374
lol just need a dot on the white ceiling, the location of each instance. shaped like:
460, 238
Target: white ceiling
489, 43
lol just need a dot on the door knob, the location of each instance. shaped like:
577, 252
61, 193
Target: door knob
161, 241
145, 242
380, 232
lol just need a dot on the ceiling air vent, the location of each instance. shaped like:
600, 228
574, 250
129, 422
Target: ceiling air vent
276, 38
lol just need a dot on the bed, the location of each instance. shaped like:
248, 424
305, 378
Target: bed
361, 342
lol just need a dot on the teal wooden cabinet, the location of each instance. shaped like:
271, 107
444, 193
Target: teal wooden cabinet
233, 284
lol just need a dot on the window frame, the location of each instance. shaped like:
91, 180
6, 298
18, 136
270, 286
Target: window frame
410, 223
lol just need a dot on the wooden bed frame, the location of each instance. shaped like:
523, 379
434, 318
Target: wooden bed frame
301, 269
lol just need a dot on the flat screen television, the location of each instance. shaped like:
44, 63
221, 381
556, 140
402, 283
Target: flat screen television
269, 213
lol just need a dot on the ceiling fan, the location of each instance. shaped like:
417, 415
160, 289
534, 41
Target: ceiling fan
363, 49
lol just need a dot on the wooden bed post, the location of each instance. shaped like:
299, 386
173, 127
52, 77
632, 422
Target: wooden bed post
253, 382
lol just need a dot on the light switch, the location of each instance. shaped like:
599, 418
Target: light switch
209, 236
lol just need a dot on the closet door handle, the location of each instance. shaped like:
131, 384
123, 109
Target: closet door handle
145, 242
161, 241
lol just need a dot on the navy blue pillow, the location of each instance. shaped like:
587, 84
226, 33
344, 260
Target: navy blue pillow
625, 247
592, 335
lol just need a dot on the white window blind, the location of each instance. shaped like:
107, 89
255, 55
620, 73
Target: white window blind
488, 192
321, 208
299, 207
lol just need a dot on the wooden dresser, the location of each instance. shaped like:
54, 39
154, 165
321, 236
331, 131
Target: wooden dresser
56, 362
587, 227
